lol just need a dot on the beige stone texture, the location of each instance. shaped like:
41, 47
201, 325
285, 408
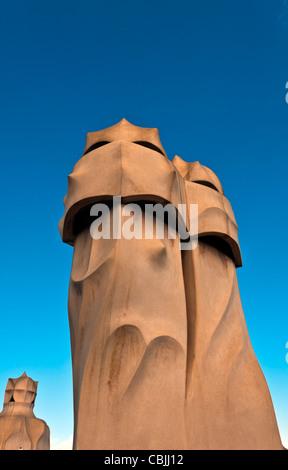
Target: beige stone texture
160, 349
19, 427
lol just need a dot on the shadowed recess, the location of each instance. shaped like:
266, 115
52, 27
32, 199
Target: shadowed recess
208, 184
148, 145
96, 146
218, 243
139, 142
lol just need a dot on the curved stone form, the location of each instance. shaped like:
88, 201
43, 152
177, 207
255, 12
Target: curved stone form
160, 349
19, 427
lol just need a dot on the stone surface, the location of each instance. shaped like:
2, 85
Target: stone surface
19, 427
160, 349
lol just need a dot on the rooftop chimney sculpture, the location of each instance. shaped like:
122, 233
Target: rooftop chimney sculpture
160, 349
19, 427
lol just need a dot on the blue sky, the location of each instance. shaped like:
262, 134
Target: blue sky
211, 76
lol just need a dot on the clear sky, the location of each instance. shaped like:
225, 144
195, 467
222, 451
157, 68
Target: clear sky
211, 76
